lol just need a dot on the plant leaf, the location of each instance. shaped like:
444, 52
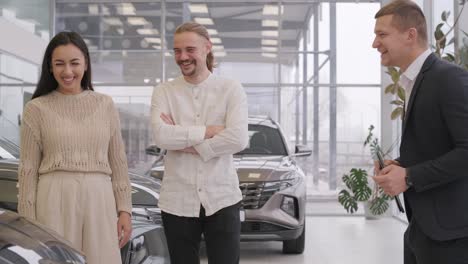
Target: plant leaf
439, 34
444, 16
396, 113
347, 181
449, 57
438, 29
389, 89
359, 184
348, 202
394, 74
369, 135
363, 194
401, 93
397, 102
379, 205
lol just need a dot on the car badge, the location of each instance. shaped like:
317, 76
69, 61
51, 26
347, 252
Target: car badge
254, 175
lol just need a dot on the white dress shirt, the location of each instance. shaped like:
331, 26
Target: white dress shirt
408, 78
209, 178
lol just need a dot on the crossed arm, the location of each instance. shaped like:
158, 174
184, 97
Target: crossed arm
208, 141
210, 132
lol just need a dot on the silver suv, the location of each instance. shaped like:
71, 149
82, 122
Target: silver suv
272, 184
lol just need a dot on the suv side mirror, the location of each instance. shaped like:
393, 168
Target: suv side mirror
302, 151
153, 150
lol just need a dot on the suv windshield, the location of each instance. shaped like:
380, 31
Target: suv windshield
264, 140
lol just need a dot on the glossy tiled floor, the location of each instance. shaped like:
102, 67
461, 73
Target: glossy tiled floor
336, 240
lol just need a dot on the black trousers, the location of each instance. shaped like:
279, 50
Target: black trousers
420, 249
220, 230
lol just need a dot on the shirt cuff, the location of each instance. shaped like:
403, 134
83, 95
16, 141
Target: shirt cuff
205, 151
196, 135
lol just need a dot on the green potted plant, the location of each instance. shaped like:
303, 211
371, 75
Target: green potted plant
359, 188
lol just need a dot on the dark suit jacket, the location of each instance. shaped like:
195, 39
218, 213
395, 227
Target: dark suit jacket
434, 149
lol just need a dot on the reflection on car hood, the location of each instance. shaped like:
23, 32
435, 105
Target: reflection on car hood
32, 229
16, 230
145, 181
141, 226
259, 168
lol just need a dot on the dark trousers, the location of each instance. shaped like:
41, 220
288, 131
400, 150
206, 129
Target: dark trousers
420, 249
220, 230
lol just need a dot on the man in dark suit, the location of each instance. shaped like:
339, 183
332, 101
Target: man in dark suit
432, 169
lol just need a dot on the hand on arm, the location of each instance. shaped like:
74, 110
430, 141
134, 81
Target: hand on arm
166, 133
169, 121
234, 136
212, 131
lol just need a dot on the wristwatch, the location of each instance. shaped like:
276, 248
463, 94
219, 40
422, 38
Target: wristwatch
408, 181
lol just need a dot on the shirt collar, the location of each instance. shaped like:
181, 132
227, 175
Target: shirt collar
191, 85
415, 67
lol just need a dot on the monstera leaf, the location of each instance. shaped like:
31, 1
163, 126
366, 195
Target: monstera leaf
380, 204
348, 201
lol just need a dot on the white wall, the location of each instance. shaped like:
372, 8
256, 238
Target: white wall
21, 43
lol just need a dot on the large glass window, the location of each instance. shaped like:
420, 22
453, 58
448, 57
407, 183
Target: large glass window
266, 45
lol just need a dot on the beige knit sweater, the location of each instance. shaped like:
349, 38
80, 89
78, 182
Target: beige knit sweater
78, 133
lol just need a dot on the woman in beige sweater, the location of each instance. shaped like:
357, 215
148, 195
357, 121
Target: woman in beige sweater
73, 170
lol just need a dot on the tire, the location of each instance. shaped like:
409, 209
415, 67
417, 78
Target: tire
295, 246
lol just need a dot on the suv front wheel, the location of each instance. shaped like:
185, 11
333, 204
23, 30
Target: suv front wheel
295, 246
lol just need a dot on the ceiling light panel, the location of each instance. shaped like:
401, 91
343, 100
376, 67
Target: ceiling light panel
212, 31
270, 23
113, 21
269, 55
270, 49
198, 8
153, 40
126, 9
217, 47
93, 9
204, 21
147, 31
219, 54
270, 42
137, 21
272, 10
270, 33
216, 40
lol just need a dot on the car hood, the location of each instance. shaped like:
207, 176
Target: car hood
141, 225
260, 168
23, 235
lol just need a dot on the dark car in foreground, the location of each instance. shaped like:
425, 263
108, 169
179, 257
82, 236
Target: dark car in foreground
147, 244
23, 241
272, 184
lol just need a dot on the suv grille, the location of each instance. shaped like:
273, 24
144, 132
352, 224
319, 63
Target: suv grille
248, 227
256, 194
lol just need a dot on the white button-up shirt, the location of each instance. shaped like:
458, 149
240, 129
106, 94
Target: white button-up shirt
408, 78
210, 178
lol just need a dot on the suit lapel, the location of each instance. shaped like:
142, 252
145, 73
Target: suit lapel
426, 66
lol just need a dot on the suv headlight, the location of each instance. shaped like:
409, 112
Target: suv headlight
281, 184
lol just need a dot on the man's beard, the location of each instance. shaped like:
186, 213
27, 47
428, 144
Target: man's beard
186, 73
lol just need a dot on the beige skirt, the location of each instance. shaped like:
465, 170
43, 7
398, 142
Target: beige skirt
81, 207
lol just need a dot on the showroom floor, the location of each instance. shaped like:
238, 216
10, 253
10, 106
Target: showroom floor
336, 240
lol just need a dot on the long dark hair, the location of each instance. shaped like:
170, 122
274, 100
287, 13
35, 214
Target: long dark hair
47, 82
